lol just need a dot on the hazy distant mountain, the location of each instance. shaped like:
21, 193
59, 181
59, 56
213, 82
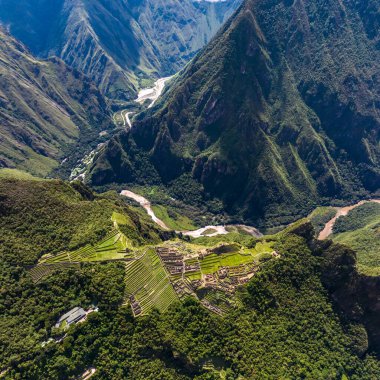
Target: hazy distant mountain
278, 113
45, 107
117, 43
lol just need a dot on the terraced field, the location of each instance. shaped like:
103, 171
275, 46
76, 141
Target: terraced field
219, 299
148, 282
39, 272
211, 263
114, 246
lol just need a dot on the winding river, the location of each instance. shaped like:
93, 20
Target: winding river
152, 93
208, 231
341, 211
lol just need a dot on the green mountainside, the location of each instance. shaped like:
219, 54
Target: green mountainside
45, 109
277, 114
41, 217
291, 320
117, 43
360, 230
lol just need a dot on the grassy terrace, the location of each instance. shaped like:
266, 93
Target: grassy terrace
212, 263
148, 281
112, 247
41, 271
115, 246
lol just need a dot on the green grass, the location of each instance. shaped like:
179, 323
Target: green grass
38, 164
211, 263
119, 218
17, 174
193, 276
175, 221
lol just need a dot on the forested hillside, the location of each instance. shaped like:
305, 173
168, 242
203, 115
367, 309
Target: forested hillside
285, 323
45, 108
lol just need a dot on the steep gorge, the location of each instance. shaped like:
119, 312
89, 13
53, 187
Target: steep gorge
119, 44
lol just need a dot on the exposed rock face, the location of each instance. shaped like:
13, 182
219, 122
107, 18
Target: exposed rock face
117, 43
45, 107
280, 112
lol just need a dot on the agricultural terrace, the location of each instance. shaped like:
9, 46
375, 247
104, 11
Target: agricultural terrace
114, 246
148, 284
41, 271
211, 262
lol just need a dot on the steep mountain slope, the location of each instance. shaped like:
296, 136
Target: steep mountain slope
45, 107
117, 43
360, 230
48, 216
278, 113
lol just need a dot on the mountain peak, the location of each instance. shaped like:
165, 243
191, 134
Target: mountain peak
259, 124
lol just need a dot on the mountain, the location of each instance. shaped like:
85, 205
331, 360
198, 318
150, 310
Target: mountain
292, 320
45, 108
280, 112
119, 43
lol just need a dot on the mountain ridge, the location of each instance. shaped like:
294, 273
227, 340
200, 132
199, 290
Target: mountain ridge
45, 107
246, 123
119, 44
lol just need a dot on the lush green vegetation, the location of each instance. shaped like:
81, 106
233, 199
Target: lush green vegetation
282, 325
263, 139
57, 115
51, 217
211, 263
172, 219
360, 230
320, 216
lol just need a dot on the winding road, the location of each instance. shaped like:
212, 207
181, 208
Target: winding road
341, 211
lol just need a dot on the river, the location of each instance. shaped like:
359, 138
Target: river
152, 93
341, 211
208, 231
